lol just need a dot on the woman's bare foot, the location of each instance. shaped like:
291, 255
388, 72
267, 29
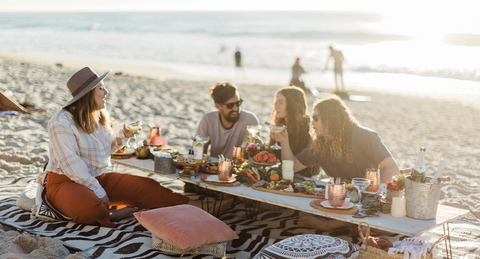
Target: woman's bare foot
117, 215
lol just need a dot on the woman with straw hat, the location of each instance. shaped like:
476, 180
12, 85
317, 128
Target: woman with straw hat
81, 141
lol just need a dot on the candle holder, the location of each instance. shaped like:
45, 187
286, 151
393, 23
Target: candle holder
336, 194
374, 176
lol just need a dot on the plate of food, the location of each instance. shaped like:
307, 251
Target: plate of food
124, 152
380, 190
324, 203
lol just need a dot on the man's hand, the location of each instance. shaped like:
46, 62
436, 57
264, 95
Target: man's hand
106, 201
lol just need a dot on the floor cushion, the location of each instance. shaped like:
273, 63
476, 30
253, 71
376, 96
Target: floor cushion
185, 226
310, 246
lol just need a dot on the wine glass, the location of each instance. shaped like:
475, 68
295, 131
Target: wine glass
134, 126
360, 184
254, 129
204, 139
276, 129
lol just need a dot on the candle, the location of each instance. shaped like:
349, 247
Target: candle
398, 207
287, 164
287, 174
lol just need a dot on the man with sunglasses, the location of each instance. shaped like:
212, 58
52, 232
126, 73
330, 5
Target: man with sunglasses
226, 127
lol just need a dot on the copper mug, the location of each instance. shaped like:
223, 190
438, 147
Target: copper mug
237, 155
374, 176
225, 170
337, 194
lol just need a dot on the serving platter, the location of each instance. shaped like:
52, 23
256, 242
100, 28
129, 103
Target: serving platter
213, 179
316, 204
124, 155
265, 163
296, 194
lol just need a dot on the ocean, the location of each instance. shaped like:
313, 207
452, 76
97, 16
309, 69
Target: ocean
203, 43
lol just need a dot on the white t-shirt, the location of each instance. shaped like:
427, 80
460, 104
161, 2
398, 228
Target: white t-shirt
223, 140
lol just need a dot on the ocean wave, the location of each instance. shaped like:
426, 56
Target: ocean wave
471, 75
462, 39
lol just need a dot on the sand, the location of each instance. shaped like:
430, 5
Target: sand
447, 128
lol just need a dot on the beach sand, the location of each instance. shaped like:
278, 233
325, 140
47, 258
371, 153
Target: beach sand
447, 128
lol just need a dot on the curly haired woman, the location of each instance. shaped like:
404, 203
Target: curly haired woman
291, 110
340, 145
343, 148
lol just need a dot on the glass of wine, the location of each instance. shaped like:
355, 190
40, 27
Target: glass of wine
276, 129
360, 184
203, 139
254, 129
134, 126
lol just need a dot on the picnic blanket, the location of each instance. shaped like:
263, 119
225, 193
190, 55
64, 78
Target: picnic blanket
131, 240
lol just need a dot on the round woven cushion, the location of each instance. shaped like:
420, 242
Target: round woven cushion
310, 246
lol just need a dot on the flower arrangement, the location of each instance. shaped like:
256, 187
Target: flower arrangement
253, 149
396, 184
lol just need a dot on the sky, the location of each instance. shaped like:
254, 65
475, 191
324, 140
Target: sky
377, 6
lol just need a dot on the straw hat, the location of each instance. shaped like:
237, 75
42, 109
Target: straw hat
82, 82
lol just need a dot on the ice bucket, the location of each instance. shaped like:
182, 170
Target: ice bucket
422, 198
164, 164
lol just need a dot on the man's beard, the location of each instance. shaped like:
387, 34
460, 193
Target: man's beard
233, 119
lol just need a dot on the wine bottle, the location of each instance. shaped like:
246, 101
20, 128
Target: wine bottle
418, 173
439, 173
198, 151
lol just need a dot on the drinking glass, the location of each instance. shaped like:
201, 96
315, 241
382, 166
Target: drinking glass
203, 139
134, 126
254, 129
374, 176
276, 129
337, 194
360, 184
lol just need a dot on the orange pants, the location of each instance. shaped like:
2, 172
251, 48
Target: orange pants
83, 205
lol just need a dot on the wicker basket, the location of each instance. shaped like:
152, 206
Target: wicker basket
370, 252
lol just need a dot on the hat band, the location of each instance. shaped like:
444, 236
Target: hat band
91, 79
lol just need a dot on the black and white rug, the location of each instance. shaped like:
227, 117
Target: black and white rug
131, 240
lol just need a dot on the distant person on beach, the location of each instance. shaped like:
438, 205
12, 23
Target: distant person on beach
238, 62
226, 127
337, 70
342, 148
81, 141
290, 109
297, 71
155, 137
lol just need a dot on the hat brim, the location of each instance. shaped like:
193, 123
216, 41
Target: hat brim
87, 89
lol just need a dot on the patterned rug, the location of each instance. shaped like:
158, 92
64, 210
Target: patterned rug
131, 240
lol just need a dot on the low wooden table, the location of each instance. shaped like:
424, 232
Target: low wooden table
404, 226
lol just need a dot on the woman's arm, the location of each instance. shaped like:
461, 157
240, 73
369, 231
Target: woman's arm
389, 168
287, 153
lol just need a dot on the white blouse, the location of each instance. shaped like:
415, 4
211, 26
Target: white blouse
79, 155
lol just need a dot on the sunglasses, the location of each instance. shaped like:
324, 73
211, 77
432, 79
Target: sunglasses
315, 118
155, 128
230, 105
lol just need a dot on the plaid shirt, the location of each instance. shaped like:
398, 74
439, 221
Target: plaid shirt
79, 155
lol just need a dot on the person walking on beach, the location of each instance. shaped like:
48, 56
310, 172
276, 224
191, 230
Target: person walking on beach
238, 62
297, 71
226, 127
337, 70
81, 141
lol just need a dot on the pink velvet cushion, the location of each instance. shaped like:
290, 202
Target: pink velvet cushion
185, 226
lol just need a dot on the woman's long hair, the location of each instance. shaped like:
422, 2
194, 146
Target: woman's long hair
298, 121
337, 122
86, 115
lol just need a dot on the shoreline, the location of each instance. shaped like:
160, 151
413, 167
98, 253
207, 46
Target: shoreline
462, 91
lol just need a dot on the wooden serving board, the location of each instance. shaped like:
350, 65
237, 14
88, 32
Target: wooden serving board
287, 193
350, 211
236, 183
114, 156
